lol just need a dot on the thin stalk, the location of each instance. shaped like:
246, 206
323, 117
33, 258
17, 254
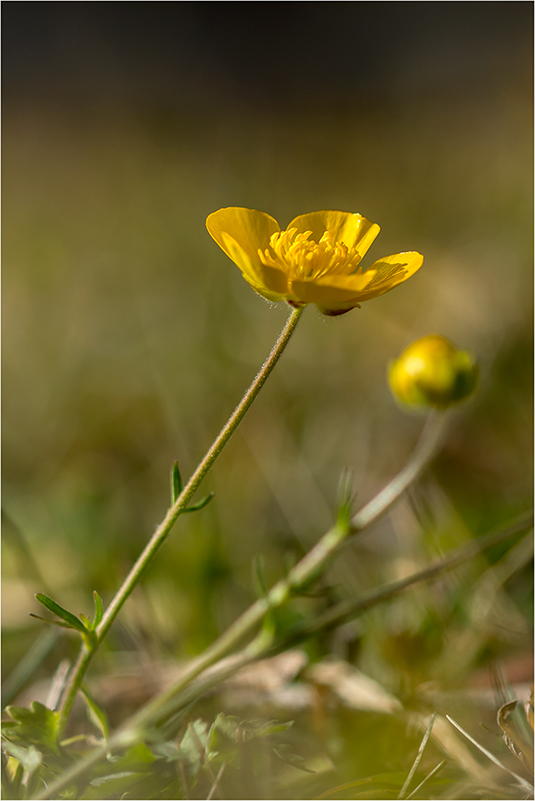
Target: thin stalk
262, 647
347, 610
164, 529
418, 759
302, 574
428, 444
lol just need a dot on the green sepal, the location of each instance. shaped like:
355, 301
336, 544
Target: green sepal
176, 482
72, 621
99, 609
200, 505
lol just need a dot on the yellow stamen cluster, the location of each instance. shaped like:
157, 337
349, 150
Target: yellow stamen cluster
315, 260
305, 259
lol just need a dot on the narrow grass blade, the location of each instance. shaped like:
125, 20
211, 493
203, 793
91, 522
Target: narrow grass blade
216, 782
429, 776
29, 663
523, 783
418, 757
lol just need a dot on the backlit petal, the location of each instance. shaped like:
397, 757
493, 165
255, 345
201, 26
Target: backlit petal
240, 233
251, 229
269, 282
332, 290
353, 230
391, 271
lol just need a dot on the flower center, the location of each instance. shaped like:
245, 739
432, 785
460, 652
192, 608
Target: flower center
306, 260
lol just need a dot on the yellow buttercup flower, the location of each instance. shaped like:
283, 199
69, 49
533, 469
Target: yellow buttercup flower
433, 372
315, 260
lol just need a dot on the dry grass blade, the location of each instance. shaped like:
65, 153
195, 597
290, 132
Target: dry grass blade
522, 782
429, 776
418, 758
216, 782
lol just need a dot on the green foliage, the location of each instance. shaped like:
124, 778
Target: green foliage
70, 621
96, 714
200, 505
345, 499
37, 725
99, 609
176, 482
31, 740
100, 342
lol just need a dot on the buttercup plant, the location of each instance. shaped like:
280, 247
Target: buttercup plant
432, 372
300, 271
317, 260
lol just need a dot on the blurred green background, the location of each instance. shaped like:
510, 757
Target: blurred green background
129, 336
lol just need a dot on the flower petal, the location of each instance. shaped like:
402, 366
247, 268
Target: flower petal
353, 230
333, 292
251, 229
240, 233
269, 282
391, 271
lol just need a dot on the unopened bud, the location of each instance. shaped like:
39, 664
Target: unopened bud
433, 372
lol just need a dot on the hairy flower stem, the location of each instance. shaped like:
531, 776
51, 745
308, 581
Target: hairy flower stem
305, 571
164, 529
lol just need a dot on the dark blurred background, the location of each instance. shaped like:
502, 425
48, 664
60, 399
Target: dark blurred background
129, 337
274, 55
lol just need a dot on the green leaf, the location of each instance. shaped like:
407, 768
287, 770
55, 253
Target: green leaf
59, 611
12, 780
176, 482
345, 498
194, 746
87, 623
52, 622
242, 731
113, 777
137, 755
200, 505
96, 714
114, 785
223, 739
99, 609
286, 754
38, 725
272, 727
30, 758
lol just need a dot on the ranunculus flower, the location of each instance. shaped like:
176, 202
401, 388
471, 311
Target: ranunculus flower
315, 260
433, 372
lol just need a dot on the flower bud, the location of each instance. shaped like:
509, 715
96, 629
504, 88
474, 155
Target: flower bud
433, 372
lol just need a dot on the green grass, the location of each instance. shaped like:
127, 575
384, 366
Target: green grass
128, 339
